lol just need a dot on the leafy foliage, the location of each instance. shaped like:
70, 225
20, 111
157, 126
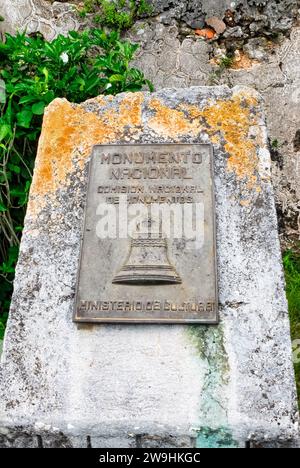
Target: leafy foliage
118, 14
291, 261
35, 72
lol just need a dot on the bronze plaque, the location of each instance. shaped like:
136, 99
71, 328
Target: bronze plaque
148, 252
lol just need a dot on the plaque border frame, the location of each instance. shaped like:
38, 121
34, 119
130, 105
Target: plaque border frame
107, 320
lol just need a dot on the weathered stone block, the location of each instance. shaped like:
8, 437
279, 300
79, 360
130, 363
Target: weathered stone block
222, 384
49, 18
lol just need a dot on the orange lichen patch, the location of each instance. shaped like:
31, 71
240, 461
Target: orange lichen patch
69, 133
171, 122
100, 100
243, 62
207, 33
245, 202
228, 120
130, 112
192, 111
215, 139
232, 119
240, 61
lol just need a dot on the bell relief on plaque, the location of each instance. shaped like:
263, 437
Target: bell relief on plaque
148, 252
148, 261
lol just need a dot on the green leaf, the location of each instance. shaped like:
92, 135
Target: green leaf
2, 207
38, 108
14, 168
150, 85
27, 186
45, 73
5, 131
24, 118
27, 99
7, 268
115, 78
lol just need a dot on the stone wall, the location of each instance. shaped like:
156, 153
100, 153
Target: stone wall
254, 16
38, 15
264, 37
168, 60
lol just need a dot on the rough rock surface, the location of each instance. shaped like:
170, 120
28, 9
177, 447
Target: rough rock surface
67, 385
169, 61
50, 19
254, 15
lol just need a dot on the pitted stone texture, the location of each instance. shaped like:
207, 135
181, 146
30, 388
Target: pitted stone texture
166, 60
50, 19
262, 16
278, 80
108, 442
170, 62
146, 441
255, 17
229, 383
18, 440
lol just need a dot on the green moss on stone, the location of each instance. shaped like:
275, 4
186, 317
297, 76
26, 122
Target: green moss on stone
220, 438
208, 340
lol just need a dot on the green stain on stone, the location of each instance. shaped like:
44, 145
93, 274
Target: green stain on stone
208, 342
219, 438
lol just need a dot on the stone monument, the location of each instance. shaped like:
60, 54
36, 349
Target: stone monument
223, 378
